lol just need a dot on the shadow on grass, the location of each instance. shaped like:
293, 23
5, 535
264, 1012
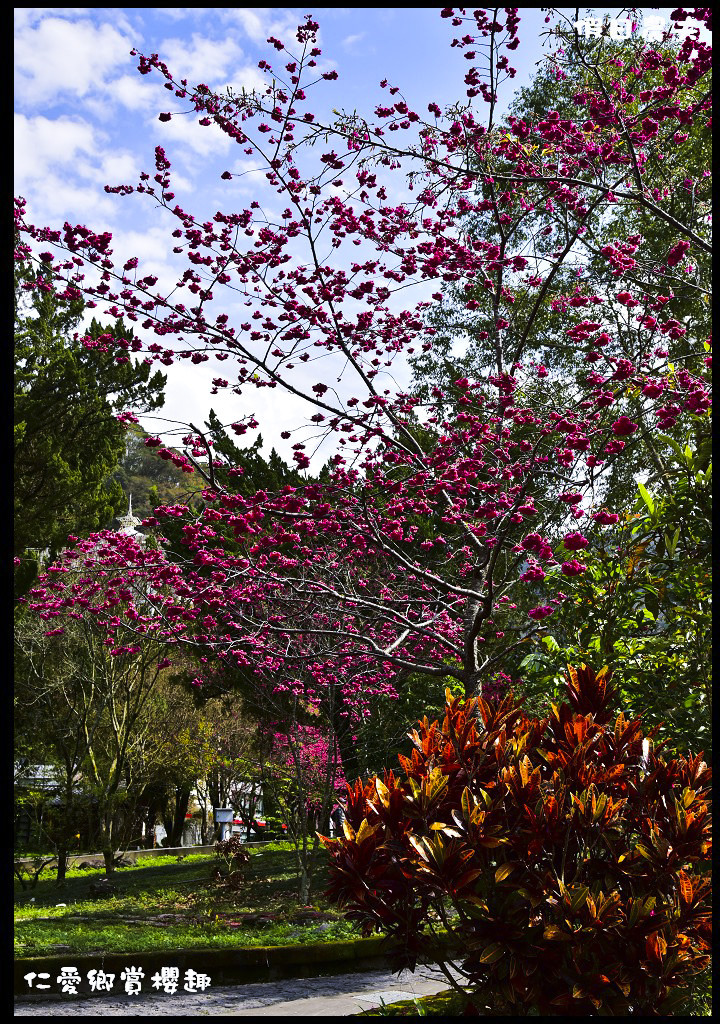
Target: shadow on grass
269, 874
161, 903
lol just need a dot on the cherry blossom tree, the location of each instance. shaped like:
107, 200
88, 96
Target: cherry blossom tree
97, 699
303, 776
436, 512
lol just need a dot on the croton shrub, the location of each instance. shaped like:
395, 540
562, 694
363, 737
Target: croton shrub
560, 864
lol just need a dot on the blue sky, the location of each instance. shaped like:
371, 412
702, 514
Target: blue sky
85, 117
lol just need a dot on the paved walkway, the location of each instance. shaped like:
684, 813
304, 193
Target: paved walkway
338, 996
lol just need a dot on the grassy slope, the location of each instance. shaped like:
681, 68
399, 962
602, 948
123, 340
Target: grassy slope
163, 904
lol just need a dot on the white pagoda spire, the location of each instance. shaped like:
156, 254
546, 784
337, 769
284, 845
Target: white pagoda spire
129, 522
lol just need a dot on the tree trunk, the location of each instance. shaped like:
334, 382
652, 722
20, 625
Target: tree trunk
204, 824
62, 860
213, 784
64, 840
348, 750
106, 842
301, 854
182, 799
109, 858
304, 893
150, 827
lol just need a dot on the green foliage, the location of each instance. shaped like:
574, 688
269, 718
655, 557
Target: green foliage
244, 470
643, 605
153, 481
99, 729
67, 440
443, 1004
28, 874
566, 856
384, 731
163, 904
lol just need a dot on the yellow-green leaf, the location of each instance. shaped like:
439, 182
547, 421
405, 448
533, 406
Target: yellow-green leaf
647, 498
577, 899
435, 784
504, 870
487, 799
492, 953
419, 847
365, 831
599, 807
554, 934
383, 792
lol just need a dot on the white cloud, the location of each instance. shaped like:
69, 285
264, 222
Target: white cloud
59, 57
42, 143
349, 41
55, 199
115, 169
67, 148
179, 13
260, 22
201, 59
248, 78
26, 16
133, 92
188, 398
151, 247
204, 140
251, 23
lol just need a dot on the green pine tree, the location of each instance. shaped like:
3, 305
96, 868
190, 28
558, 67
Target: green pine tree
67, 440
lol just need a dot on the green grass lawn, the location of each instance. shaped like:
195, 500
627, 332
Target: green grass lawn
165, 904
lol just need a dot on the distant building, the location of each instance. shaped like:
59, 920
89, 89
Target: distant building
128, 524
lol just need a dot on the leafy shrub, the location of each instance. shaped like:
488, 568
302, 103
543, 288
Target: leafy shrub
275, 827
28, 874
564, 856
232, 856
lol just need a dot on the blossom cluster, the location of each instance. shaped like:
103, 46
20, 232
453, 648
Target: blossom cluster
434, 510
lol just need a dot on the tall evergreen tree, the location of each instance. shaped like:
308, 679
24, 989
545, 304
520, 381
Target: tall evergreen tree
67, 439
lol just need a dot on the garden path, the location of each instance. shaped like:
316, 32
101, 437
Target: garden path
340, 995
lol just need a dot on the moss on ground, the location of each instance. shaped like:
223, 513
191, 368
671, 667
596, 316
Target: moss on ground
443, 1004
